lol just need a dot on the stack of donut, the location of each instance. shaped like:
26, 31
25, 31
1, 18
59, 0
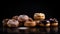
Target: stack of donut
25, 20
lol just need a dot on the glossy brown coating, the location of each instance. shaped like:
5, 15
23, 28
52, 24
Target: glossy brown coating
45, 23
54, 22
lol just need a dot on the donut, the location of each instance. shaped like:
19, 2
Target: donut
30, 23
23, 17
45, 23
13, 23
53, 21
39, 16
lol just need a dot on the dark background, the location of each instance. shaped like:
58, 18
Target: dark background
50, 8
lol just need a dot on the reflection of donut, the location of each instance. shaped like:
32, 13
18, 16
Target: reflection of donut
48, 29
13, 23
23, 28
33, 29
41, 24
40, 16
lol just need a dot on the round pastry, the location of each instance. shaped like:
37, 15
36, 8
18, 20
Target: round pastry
13, 23
23, 18
45, 23
5, 22
39, 16
37, 23
54, 22
30, 23
15, 17
40, 23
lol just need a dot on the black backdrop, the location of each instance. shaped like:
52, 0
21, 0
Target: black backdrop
29, 8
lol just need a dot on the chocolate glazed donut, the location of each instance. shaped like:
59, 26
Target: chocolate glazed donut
45, 23
53, 21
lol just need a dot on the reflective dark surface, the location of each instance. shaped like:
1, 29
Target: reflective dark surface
34, 30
